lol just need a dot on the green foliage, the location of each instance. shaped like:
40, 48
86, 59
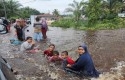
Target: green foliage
76, 8
13, 9
93, 11
109, 24
26, 12
66, 23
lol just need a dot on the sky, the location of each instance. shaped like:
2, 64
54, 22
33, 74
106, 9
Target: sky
47, 6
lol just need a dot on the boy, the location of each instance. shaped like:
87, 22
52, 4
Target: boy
55, 57
66, 59
49, 51
28, 44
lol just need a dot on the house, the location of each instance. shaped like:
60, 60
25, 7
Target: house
48, 17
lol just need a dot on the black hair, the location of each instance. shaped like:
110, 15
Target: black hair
55, 53
65, 52
52, 45
79, 46
37, 19
28, 38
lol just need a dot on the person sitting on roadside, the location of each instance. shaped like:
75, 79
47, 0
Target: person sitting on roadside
66, 59
55, 57
84, 65
28, 44
49, 51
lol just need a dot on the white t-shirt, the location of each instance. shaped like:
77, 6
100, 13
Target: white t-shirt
25, 46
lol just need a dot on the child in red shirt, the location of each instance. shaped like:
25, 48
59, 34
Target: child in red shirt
66, 59
49, 51
55, 57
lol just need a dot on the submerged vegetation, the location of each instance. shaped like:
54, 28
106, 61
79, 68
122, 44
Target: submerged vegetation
99, 14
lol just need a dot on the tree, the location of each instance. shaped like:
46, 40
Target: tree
76, 8
12, 7
94, 11
13, 10
56, 12
27, 11
112, 7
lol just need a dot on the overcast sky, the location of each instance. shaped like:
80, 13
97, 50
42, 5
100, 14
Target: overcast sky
47, 5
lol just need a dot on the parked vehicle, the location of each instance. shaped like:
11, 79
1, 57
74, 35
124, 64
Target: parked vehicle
3, 29
6, 72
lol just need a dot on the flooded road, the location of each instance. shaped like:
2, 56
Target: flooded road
107, 48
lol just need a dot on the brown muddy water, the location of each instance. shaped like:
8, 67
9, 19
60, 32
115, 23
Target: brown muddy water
107, 48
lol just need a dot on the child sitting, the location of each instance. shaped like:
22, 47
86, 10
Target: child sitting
55, 57
49, 51
66, 59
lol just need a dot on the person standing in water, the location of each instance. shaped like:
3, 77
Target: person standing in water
24, 26
44, 28
84, 65
19, 31
37, 30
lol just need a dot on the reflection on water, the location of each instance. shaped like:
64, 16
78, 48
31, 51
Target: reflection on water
107, 48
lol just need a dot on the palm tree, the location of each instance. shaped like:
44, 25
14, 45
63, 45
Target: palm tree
76, 8
12, 7
56, 12
112, 7
2, 8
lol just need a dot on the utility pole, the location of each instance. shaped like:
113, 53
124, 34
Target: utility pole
4, 9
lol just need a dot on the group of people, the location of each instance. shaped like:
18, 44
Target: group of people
40, 29
20, 26
83, 66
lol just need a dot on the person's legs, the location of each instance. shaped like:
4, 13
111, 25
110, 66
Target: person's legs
35, 36
40, 36
44, 33
19, 36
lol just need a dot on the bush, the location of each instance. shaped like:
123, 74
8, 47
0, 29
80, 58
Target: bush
66, 23
105, 24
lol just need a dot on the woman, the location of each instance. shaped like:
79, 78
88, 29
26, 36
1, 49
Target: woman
44, 28
19, 31
84, 64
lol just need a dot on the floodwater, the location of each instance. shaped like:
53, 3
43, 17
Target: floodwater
107, 48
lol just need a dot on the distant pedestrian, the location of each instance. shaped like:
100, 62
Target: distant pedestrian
37, 30
44, 28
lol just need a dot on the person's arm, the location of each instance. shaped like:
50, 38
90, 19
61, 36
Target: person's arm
32, 44
26, 46
51, 59
80, 63
64, 64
